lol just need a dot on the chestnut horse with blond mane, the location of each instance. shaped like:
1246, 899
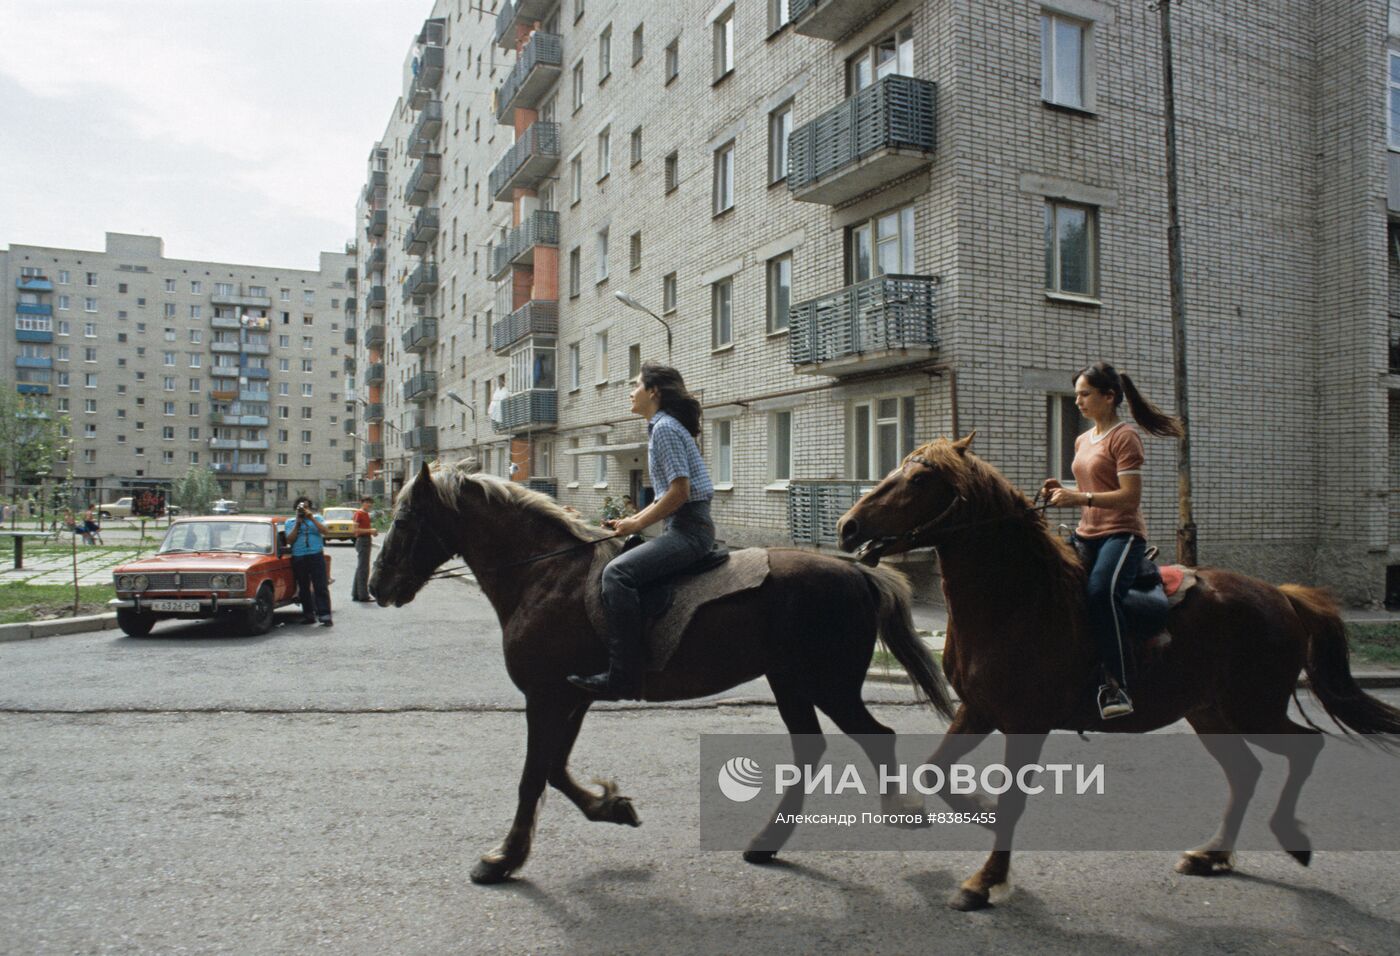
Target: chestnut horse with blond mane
1019, 656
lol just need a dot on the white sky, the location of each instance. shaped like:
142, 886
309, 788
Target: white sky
237, 130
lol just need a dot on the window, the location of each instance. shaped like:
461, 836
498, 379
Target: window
306, 436
600, 475
306, 365
63, 278
169, 310
196, 336
724, 453
306, 459
169, 285
779, 293
1070, 254
605, 54
635, 251
636, 146
89, 305
90, 406
724, 44
881, 434
578, 86
89, 380
600, 354
883, 245
89, 330
1394, 94
308, 296
575, 179
1062, 46
167, 433
195, 359
779, 14
575, 367
167, 408
780, 447
196, 312
779, 130
722, 314
602, 250
673, 60
575, 269
167, 382
194, 385
1063, 423
167, 358
724, 178
604, 153
64, 303
284, 295
223, 288
637, 45
92, 279
634, 361
668, 292
673, 179
890, 55
306, 389
196, 287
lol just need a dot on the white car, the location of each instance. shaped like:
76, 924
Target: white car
121, 508
224, 506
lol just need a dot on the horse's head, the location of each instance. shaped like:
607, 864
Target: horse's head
906, 509
415, 545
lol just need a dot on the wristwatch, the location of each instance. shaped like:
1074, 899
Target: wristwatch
1091, 499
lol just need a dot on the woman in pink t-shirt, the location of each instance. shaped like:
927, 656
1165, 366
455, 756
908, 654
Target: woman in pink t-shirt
1112, 537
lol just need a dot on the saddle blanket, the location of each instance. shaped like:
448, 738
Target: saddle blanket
745, 570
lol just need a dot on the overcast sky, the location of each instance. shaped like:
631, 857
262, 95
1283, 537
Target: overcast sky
237, 130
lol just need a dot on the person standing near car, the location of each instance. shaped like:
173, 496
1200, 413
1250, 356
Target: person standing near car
364, 538
307, 536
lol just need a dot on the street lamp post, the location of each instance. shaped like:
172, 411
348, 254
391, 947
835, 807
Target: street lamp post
632, 303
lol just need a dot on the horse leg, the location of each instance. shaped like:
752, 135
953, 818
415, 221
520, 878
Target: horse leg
800, 718
547, 726
992, 883
1217, 855
1301, 745
963, 735
878, 741
606, 807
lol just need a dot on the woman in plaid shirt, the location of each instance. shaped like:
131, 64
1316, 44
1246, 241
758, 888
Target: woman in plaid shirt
680, 477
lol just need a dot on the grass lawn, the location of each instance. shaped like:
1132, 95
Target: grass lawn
1375, 642
22, 603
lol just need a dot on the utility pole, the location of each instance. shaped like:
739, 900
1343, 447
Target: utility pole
1186, 521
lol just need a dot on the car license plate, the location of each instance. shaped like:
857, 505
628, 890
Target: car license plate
174, 605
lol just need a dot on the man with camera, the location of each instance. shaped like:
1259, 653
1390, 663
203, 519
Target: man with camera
307, 536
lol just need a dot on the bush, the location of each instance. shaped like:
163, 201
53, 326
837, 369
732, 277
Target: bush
196, 492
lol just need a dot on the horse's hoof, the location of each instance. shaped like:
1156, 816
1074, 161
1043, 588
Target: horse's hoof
1205, 864
620, 810
760, 857
488, 871
967, 901
1304, 857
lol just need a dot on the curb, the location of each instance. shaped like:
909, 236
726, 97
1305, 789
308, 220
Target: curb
1371, 681
63, 625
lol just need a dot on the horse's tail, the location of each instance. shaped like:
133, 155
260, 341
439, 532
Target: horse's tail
1327, 663
897, 633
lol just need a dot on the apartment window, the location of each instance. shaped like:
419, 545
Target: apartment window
673, 59
600, 354
90, 354
167, 458
167, 408
1063, 423
306, 459
308, 296
881, 434
306, 411
602, 251
283, 411
89, 330
307, 342
306, 436
61, 380
668, 292
195, 359
722, 314
306, 365
196, 312
634, 361
636, 146
883, 245
780, 446
575, 179
167, 433
600, 475
575, 367
167, 382
673, 179
575, 271
168, 334
285, 295
578, 86
1071, 237
89, 380
724, 178
169, 285
306, 389
724, 44
1062, 61
64, 302
196, 336
892, 54
223, 288
779, 14
92, 279
724, 453
779, 130
637, 45
196, 287
90, 406
167, 358
605, 54
62, 353
604, 153
169, 310
89, 305
284, 341
779, 298
1394, 86
90, 431
89, 456
635, 251
63, 278
194, 385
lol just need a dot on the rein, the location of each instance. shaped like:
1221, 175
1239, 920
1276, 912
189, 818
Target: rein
934, 524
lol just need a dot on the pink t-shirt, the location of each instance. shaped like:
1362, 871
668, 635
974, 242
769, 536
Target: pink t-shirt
1099, 461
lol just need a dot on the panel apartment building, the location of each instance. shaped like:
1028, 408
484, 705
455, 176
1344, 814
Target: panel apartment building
166, 363
863, 224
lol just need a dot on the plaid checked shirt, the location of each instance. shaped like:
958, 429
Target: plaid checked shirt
671, 454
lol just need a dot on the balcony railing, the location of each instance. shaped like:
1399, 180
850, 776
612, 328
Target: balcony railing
374, 450
224, 371
258, 373
426, 129
527, 162
34, 335
374, 262
518, 12
34, 284
348, 456
422, 334
227, 347
528, 411
375, 486
534, 73
352, 275
421, 281
223, 444
250, 468
349, 365
545, 486
532, 318
420, 387
423, 438
374, 335
422, 231
378, 222
540, 229
352, 305
430, 61
348, 426
376, 298
814, 507
257, 348
424, 180
881, 322
225, 322
374, 373
350, 336
374, 412
882, 133
33, 361
34, 308
832, 19
230, 300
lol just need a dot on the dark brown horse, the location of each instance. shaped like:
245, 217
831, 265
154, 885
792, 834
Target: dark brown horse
1019, 657
810, 629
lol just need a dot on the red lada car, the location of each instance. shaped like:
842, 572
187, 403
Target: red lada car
238, 565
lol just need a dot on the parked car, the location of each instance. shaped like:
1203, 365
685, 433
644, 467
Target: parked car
340, 524
224, 506
121, 508
235, 566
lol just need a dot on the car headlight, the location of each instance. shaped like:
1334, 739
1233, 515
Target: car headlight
218, 581
140, 582
235, 582
123, 582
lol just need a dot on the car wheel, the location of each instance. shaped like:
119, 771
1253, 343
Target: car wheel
135, 623
258, 618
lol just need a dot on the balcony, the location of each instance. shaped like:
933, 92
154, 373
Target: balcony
32, 388
374, 335
421, 232
532, 318
516, 13
421, 281
223, 444
352, 276
535, 72
882, 322
814, 507
347, 456
375, 487
833, 19
222, 393
350, 336
545, 486
33, 361
424, 180
250, 395
430, 63
420, 387
377, 183
528, 411
257, 348
426, 129
526, 163
540, 229
376, 298
374, 412
224, 371
349, 365
250, 468
375, 261
252, 444
234, 417
33, 308
229, 300
374, 373
257, 373
882, 133
423, 438
421, 335
378, 222
374, 450
227, 348
225, 322
34, 284
351, 306
34, 335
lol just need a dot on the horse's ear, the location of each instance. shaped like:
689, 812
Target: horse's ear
962, 444
423, 487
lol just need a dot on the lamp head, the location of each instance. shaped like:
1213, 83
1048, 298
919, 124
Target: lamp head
628, 301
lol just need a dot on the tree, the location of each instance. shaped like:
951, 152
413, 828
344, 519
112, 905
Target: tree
31, 440
196, 491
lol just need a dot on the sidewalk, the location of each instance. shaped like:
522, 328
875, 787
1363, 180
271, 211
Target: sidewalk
48, 564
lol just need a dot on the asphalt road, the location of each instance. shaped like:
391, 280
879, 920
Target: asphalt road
330, 789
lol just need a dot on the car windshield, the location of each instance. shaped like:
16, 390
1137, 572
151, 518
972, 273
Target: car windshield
340, 514
236, 536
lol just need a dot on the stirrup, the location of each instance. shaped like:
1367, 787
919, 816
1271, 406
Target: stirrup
1114, 702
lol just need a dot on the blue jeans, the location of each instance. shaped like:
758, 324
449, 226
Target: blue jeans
312, 585
1113, 562
688, 537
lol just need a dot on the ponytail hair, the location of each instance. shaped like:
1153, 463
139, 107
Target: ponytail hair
1106, 378
675, 400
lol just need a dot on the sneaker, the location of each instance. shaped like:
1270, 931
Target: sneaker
326, 622
1114, 702
308, 620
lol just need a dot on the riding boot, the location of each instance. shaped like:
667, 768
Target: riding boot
623, 678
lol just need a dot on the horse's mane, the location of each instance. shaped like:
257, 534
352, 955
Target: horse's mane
451, 479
